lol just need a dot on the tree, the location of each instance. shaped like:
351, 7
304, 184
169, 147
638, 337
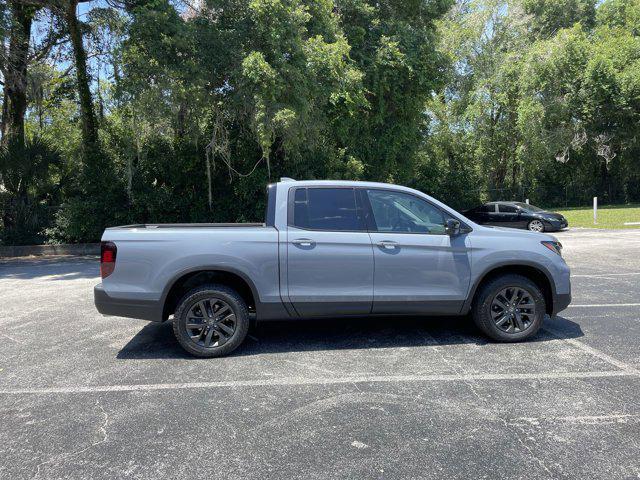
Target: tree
87, 112
168, 111
548, 17
27, 172
393, 43
14, 70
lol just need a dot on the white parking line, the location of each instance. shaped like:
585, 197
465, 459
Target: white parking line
579, 419
598, 275
10, 338
593, 305
302, 381
594, 351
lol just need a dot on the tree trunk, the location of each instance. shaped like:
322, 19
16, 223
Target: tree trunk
181, 120
87, 113
605, 192
15, 73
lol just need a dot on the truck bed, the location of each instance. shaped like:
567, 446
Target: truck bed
189, 225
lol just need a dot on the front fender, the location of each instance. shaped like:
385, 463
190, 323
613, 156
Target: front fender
514, 259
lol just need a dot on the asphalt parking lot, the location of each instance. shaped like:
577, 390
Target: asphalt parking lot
86, 396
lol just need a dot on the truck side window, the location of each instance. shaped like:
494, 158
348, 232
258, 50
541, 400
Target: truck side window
404, 213
332, 209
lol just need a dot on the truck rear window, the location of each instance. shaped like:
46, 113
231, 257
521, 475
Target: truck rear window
333, 209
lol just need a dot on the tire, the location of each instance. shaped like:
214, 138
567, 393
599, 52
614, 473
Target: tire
488, 314
228, 329
536, 226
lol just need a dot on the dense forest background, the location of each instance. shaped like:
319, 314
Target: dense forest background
130, 111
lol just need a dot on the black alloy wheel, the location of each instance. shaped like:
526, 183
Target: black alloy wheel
509, 307
211, 321
513, 309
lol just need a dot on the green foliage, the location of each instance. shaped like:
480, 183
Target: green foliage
198, 110
28, 173
545, 96
550, 16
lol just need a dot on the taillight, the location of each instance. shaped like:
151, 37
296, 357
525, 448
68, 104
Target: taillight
108, 252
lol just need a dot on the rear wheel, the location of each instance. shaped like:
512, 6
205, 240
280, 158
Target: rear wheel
211, 321
509, 308
536, 226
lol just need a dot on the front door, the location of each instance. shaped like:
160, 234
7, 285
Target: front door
418, 267
329, 253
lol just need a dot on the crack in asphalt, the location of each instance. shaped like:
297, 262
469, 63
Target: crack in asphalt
65, 455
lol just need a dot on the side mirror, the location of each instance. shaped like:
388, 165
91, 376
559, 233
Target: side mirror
452, 227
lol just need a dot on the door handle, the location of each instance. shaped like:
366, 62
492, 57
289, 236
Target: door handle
388, 244
303, 242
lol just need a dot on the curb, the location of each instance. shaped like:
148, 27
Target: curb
46, 250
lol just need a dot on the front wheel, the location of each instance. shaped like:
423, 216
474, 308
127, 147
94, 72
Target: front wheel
211, 321
509, 308
536, 226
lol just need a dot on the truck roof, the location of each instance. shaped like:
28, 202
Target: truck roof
345, 183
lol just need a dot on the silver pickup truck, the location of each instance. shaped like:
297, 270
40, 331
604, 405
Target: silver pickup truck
326, 249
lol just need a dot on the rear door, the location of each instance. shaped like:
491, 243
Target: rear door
329, 253
493, 216
508, 215
418, 267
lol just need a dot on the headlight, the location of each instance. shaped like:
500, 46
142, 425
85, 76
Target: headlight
555, 247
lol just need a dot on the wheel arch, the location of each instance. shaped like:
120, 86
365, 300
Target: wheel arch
192, 278
534, 272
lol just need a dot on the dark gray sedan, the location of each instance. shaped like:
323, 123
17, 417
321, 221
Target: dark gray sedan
517, 215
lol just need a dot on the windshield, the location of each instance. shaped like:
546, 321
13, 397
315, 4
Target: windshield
531, 208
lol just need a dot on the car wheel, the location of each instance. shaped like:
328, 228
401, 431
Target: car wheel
211, 321
536, 226
509, 308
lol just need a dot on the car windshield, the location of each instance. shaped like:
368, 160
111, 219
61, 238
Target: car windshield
531, 208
